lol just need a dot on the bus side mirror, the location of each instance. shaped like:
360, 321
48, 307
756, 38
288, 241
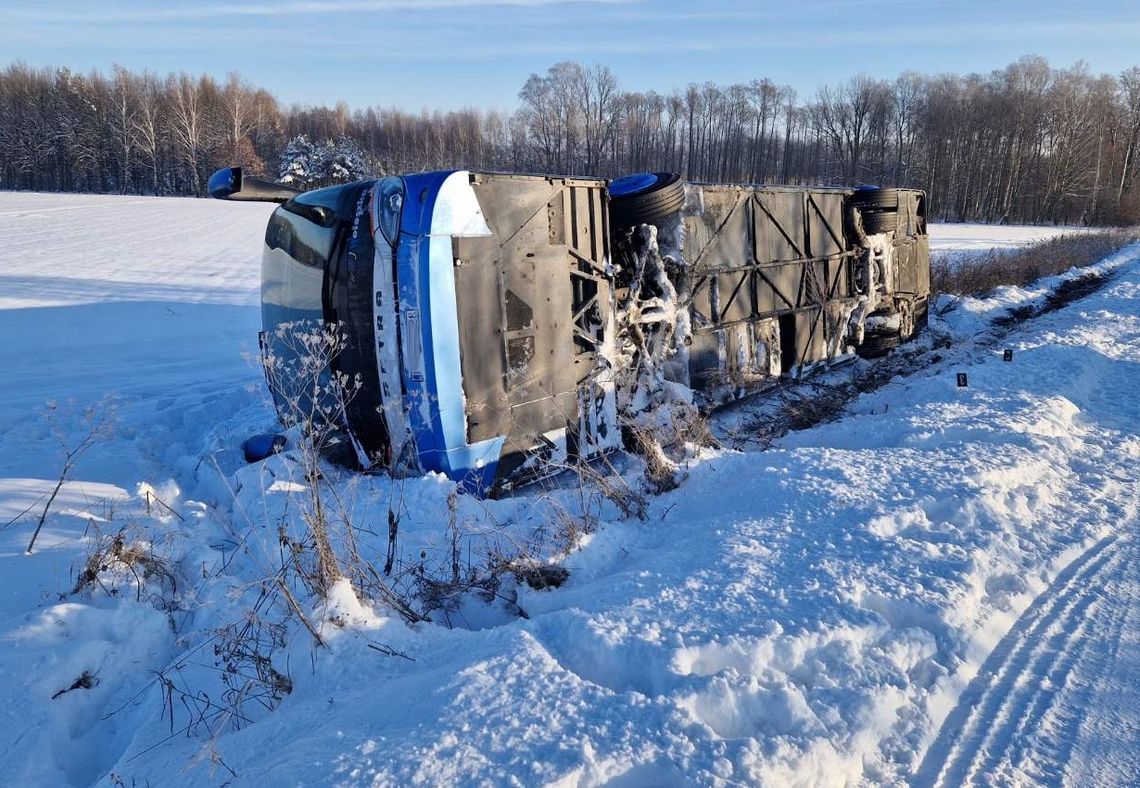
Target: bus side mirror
229, 183
224, 182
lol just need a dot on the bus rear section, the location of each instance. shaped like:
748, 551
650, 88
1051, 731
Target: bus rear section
773, 281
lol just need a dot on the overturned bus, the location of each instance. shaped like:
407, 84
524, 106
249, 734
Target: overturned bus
500, 327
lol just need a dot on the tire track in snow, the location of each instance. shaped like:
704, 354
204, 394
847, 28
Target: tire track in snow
1019, 754
1045, 758
1099, 745
982, 726
1034, 691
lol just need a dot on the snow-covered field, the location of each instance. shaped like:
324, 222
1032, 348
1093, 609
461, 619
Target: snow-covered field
984, 237
954, 244
941, 585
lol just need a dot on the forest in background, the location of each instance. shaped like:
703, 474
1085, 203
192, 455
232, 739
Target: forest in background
1028, 143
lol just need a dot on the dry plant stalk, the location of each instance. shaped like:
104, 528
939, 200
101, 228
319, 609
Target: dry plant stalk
314, 396
98, 425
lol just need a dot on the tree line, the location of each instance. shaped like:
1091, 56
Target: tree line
1026, 143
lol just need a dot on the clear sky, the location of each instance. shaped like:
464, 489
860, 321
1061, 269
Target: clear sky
453, 53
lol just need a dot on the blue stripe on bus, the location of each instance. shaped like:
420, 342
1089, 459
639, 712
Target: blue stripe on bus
428, 292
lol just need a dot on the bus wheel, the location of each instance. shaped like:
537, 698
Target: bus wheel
878, 344
645, 198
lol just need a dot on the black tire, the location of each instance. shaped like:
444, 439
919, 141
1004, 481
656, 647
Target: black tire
878, 344
875, 222
880, 199
665, 196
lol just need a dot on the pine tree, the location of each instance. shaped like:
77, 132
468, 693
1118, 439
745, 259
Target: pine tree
343, 162
298, 163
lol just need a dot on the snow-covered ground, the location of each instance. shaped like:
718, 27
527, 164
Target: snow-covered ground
940, 586
984, 237
956, 244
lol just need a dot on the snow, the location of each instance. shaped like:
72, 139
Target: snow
984, 237
953, 244
808, 614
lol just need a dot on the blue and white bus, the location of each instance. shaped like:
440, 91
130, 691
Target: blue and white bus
501, 327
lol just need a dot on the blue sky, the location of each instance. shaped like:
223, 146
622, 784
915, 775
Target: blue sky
453, 53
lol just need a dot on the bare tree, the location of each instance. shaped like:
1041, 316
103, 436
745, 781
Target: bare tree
1023, 143
1130, 93
190, 127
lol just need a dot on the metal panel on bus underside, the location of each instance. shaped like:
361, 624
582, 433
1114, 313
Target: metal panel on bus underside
774, 259
911, 246
534, 305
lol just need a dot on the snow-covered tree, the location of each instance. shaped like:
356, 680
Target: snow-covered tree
343, 161
306, 164
298, 162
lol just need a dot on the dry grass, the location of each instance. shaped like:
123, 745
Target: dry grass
114, 558
660, 471
982, 273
